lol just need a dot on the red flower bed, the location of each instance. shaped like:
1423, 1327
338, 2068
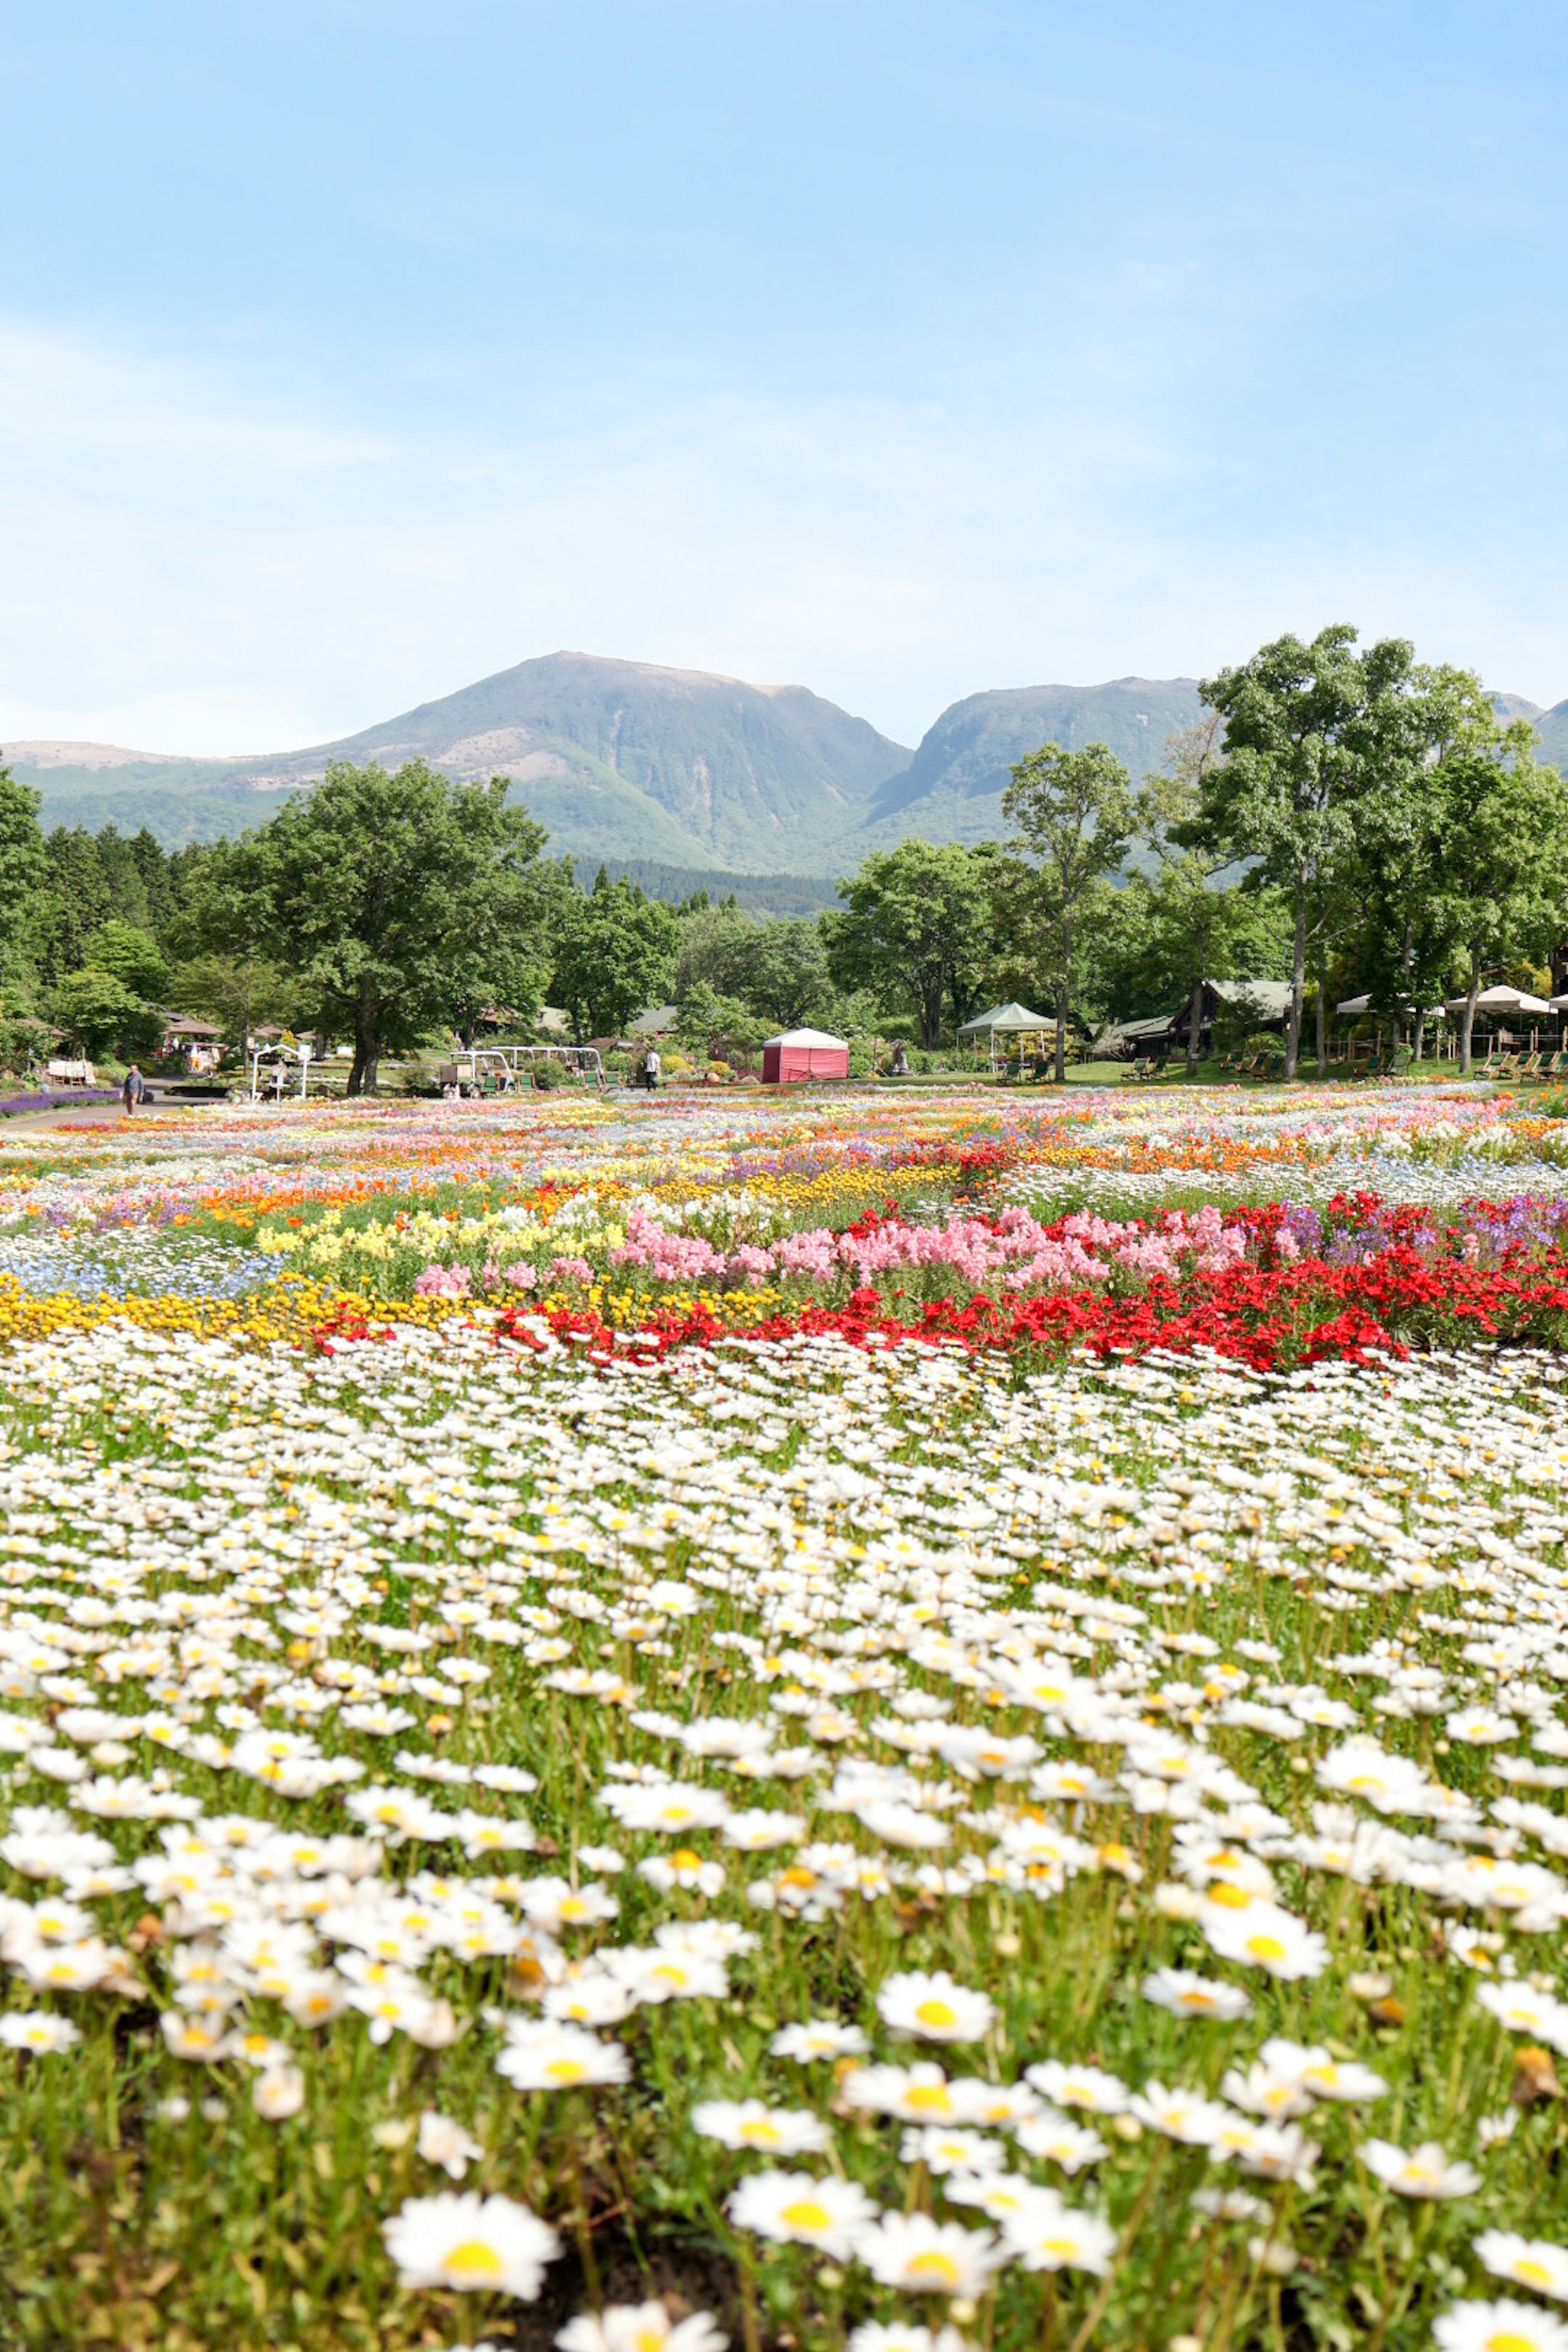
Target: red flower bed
1267, 1317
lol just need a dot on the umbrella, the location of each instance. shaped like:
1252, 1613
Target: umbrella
1502, 1000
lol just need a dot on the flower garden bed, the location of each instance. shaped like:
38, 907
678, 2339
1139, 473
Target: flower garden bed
869, 1724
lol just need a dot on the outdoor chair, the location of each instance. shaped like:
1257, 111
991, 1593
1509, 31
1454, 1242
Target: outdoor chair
1530, 1067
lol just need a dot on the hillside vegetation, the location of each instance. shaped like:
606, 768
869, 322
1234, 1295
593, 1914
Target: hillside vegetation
628, 762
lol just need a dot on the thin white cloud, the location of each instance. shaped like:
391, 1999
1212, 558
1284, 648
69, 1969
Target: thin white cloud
189, 567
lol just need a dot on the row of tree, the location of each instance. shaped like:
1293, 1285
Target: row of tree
1345, 817
1341, 817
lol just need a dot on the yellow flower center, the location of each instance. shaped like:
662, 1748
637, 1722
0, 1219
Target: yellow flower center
930, 2098
933, 2269
1532, 2273
1509, 2340
806, 2214
1233, 1898
684, 1859
565, 2070
473, 2260
937, 2013
1265, 1947
761, 2131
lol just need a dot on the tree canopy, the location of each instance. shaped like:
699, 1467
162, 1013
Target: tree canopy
398, 900
915, 916
615, 954
1073, 810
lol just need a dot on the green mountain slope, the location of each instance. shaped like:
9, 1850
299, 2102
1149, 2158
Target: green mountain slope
952, 788
673, 768
618, 759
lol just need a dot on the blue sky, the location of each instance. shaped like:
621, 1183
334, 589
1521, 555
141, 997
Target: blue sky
349, 352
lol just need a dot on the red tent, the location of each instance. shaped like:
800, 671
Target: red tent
804, 1053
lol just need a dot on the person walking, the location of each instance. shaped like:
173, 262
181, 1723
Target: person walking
133, 1090
650, 1067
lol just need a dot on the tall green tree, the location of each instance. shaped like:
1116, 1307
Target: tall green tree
615, 954
910, 928
23, 869
98, 1013
237, 989
1421, 728
782, 971
1283, 792
395, 899
75, 897
1506, 858
1075, 811
131, 954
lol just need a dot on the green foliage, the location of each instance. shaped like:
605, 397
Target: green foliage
239, 991
1505, 890
615, 954
776, 970
910, 928
710, 1023
1074, 812
1297, 739
130, 954
398, 900
99, 1014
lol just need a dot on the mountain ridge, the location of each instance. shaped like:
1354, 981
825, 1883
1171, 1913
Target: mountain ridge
687, 770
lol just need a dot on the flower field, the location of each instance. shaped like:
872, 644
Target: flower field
901, 1722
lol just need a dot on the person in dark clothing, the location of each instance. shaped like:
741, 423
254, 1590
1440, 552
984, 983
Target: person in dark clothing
133, 1091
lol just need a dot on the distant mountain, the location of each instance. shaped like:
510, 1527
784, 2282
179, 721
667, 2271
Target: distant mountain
674, 772
618, 759
1551, 734
952, 789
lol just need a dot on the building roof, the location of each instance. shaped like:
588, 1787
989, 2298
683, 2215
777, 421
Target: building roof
182, 1027
808, 1037
1270, 996
656, 1022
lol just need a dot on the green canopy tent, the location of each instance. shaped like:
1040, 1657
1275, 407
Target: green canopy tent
1007, 1022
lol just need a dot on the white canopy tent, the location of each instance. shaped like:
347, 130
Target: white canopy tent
1502, 999
1005, 1020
